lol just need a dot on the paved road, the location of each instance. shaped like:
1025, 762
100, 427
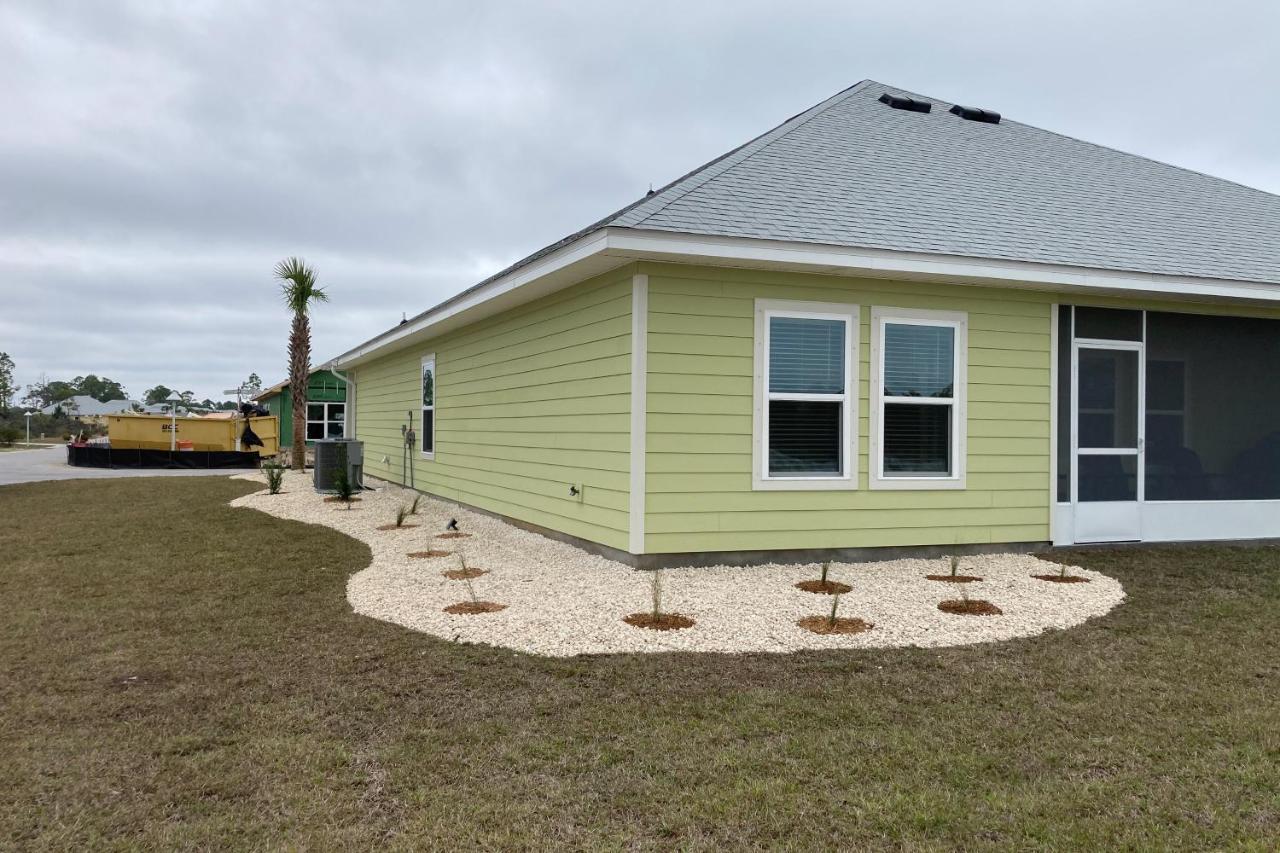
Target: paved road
29, 466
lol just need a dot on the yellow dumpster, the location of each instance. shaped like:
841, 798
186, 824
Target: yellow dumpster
154, 432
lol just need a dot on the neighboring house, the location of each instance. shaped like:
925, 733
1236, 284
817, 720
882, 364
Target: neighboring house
90, 409
870, 327
326, 406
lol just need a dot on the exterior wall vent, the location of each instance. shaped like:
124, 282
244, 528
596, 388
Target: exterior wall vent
901, 102
975, 114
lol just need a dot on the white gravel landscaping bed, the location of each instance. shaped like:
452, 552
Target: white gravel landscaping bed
562, 601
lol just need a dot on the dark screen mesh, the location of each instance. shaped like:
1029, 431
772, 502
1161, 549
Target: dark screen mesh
1213, 408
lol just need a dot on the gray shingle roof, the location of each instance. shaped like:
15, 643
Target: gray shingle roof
854, 172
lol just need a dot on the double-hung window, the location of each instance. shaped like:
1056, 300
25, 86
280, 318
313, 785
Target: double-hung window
918, 368
805, 428
427, 434
326, 420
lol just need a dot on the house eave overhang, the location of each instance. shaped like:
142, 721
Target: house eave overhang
611, 247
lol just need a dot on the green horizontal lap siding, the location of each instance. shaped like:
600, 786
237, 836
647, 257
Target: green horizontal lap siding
527, 403
699, 409
322, 387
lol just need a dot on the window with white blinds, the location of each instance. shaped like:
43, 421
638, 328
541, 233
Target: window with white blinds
806, 389
919, 363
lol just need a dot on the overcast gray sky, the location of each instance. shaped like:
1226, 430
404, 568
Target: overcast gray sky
156, 159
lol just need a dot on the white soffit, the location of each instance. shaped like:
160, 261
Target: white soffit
613, 247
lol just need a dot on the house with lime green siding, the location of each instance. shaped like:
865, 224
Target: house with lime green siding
888, 323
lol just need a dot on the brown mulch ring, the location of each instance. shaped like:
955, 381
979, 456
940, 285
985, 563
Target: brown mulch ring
953, 578
395, 526
472, 608
452, 534
428, 555
1061, 578
661, 622
969, 607
464, 574
334, 499
842, 625
824, 587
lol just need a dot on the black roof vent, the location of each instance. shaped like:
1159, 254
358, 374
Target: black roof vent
902, 102
975, 114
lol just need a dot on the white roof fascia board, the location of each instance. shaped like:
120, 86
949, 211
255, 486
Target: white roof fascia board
567, 265
639, 244
612, 247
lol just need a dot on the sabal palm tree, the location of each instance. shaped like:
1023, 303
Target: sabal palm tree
300, 291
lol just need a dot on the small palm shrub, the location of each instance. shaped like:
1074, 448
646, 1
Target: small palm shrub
275, 478
955, 565
835, 605
402, 512
342, 484
655, 591
413, 508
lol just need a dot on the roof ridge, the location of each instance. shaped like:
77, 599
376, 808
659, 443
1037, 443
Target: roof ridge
697, 177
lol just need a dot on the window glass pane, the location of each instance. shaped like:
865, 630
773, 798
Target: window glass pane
314, 430
428, 385
334, 429
1108, 324
1064, 403
917, 439
804, 437
1213, 408
1108, 398
315, 411
427, 436
336, 411
806, 356
1108, 478
918, 360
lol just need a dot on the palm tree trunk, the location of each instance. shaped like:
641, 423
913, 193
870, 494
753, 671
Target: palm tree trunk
299, 368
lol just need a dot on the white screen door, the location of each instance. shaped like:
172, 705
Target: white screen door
1107, 437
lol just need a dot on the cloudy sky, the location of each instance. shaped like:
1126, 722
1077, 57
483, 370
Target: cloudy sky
156, 159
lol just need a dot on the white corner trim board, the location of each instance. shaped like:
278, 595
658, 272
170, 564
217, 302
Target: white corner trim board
639, 408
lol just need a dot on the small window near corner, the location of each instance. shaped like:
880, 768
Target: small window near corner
919, 363
427, 434
806, 392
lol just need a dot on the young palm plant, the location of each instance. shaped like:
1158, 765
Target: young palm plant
300, 291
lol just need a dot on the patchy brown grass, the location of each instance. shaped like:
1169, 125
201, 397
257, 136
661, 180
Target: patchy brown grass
178, 674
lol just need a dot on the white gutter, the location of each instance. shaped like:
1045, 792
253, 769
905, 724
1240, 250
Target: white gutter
613, 246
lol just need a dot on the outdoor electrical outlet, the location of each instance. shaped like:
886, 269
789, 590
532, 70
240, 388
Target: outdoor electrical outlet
386, 460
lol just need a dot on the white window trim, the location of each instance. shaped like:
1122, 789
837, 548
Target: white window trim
959, 321
428, 359
849, 314
326, 421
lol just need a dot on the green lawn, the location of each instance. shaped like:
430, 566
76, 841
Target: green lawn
176, 673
